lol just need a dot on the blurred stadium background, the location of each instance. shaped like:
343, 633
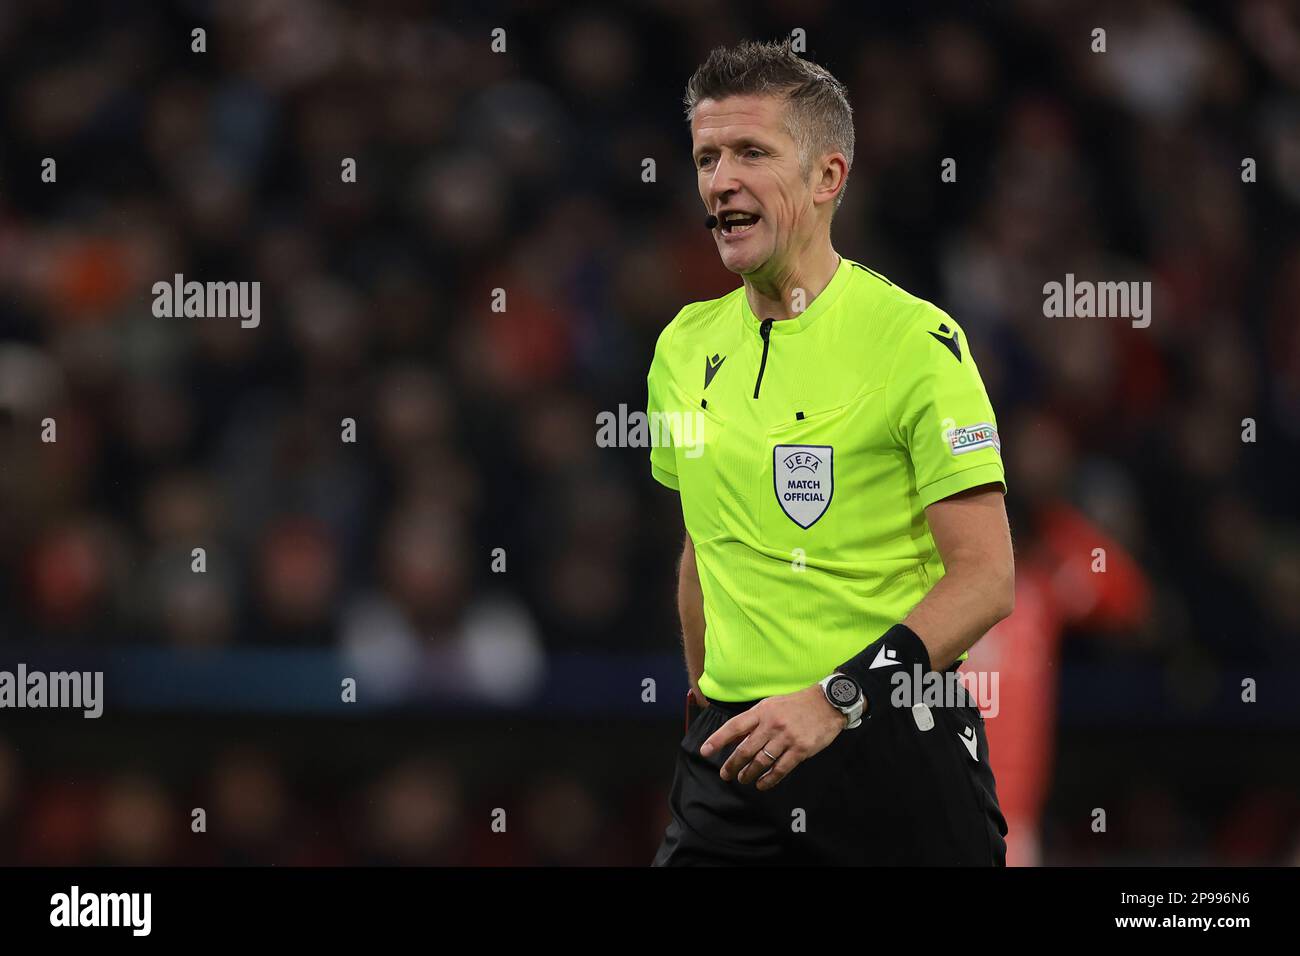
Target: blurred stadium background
522, 170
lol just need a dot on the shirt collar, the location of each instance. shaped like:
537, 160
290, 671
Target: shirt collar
809, 315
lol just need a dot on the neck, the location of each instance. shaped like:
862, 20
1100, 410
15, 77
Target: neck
783, 291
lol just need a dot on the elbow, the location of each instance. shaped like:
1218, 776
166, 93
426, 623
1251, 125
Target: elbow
1003, 592
990, 586
995, 583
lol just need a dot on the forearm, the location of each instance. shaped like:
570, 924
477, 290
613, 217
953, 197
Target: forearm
690, 608
960, 609
976, 591
979, 584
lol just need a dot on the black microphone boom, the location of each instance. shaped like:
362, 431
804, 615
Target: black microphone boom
711, 223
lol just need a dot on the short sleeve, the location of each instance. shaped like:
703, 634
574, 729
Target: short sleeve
940, 411
661, 401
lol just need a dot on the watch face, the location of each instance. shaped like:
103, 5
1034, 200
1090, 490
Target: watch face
843, 691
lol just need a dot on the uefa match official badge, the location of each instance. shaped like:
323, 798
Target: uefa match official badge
804, 478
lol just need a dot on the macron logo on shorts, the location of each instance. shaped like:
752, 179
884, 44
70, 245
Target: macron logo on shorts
968, 738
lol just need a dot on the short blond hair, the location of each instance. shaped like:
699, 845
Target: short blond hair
818, 116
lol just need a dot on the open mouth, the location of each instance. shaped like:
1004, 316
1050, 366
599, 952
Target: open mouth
734, 224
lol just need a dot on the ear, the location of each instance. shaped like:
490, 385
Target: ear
829, 176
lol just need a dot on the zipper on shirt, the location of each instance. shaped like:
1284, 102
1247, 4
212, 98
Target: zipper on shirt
765, 330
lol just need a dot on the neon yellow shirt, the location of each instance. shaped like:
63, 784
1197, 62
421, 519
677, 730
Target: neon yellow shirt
804, 477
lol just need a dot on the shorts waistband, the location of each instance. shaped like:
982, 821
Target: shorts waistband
733, 707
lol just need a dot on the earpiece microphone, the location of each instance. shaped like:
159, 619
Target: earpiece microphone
711, 223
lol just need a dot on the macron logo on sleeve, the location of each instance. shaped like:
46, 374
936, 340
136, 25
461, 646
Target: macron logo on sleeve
949, 340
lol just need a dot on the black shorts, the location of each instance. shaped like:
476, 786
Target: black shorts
885, 793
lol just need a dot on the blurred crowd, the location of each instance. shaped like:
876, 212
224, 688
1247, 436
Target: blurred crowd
419, 810
245, 810
521, 171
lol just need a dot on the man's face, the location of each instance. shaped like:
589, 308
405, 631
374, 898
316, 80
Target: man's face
747, 162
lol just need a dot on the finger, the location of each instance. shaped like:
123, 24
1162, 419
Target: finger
750, 750
780, 770
734, 729
762, 762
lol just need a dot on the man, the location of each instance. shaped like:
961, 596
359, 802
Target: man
841, 484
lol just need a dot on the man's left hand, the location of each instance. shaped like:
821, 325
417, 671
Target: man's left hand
791, 728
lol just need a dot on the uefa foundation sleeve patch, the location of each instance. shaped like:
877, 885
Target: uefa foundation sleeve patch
968, 438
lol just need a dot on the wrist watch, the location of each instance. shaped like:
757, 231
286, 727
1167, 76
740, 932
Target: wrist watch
845, 696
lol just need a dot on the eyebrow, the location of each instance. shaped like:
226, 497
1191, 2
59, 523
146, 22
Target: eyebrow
742, 143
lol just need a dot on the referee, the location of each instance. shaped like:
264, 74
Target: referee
841, 484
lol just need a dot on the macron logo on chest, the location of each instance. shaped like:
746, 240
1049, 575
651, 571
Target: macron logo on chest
711, 366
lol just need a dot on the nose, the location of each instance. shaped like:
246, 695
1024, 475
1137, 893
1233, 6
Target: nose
722, 182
